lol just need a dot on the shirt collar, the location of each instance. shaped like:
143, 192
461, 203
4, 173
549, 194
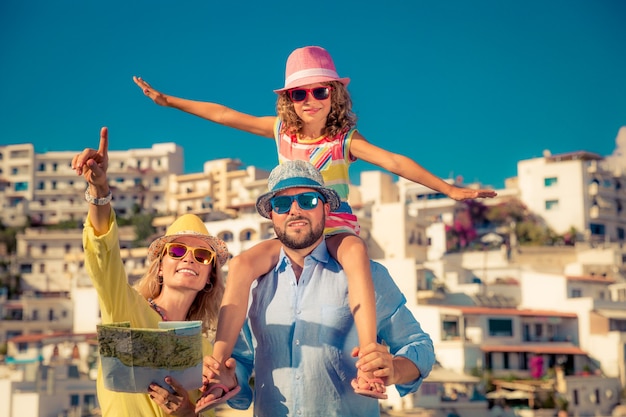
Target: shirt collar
319, 254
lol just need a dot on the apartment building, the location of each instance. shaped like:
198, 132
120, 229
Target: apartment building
33, 314
576, 190
42, 187
16, 179
50, 375
222, 187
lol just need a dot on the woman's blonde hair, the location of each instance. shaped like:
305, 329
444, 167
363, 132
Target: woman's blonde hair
205, 306
339, 120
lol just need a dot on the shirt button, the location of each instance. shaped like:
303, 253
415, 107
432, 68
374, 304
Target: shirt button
297, 342
299, 412
298, 377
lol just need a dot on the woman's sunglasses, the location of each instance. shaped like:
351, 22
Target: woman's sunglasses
318, 93
306, 201
179, 251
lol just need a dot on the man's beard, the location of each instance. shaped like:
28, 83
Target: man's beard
303, 239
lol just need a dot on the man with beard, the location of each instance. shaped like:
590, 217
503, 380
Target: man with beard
299, 337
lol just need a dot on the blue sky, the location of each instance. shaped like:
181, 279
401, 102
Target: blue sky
463, 87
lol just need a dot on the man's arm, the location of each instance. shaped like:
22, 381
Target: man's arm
411, 349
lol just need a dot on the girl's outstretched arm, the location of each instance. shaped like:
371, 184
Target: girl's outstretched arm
217, 113
411, 170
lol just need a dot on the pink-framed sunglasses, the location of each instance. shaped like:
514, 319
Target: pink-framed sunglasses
318, 93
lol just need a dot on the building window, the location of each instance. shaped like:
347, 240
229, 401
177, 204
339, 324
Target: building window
552, 205
44, 248
89, 404
21, 186
523, 360
42, 268
42, 167
226, 236
596, 229
55, 166
550, 181
74, 400
620, 233
576, 293
451, 328
617, 325
501, 327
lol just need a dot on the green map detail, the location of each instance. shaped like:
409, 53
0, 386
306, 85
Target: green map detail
150, 348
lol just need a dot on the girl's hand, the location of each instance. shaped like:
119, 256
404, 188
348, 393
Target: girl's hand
460, 194
156, 96
375, 358
175, 404
92, 164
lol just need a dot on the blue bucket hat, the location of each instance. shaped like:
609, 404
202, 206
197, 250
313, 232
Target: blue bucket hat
295, 174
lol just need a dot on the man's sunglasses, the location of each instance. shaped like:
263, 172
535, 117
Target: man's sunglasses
306, 201
179, 251
318, 93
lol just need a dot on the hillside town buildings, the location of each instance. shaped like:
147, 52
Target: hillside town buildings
492, 310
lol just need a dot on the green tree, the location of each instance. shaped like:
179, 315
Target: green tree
143, 228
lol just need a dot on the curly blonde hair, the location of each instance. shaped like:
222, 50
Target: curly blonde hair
339, 120
205, 306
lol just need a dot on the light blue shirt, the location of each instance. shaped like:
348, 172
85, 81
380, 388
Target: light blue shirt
299, 336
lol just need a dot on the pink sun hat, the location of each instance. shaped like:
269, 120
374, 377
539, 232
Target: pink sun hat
310, 65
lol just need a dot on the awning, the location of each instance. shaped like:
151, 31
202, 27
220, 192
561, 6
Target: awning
536, 349
612, 314
509, 395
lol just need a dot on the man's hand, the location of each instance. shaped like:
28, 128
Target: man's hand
377, 359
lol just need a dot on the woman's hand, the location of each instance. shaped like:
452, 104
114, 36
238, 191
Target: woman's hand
175, 404
92, 164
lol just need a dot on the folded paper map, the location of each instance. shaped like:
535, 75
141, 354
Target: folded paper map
132, 359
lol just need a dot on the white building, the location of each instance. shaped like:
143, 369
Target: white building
49, 375
16, 182
33, 314
575, 190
